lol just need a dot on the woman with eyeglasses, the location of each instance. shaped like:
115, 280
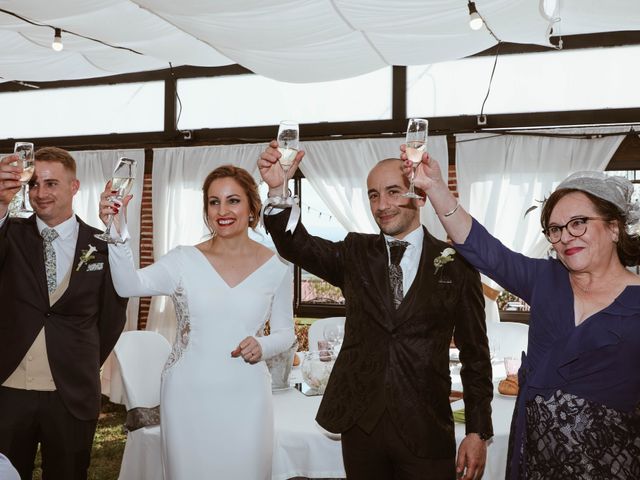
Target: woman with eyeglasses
577, 413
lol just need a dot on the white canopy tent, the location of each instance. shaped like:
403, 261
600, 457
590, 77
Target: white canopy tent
288, 40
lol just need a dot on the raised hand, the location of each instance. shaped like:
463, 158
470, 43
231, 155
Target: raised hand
428, 173
270, 170
9, 181
107, 207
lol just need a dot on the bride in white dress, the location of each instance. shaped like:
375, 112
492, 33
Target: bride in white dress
216, 410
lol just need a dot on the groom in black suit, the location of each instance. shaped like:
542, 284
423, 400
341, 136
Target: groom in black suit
60, 319
388, 394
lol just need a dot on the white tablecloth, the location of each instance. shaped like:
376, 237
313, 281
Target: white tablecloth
304, 449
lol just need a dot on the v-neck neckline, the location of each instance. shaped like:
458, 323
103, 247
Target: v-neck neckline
223, 279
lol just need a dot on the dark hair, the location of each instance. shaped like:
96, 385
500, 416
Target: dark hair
55, 154
628, 247
245, 180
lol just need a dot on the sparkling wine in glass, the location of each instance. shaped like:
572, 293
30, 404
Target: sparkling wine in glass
288, 145
416, 142
124, 174
24, 151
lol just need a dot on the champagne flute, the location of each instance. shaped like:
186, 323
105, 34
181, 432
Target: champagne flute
124, 174
334, 335
24, 151
416, 142
288, 144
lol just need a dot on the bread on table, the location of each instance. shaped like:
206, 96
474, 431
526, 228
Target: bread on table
509, 386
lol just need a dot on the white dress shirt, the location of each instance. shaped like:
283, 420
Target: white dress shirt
411, 258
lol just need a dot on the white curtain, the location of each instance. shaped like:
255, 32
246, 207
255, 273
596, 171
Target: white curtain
500, 176
338, 169
94, 170
178, 175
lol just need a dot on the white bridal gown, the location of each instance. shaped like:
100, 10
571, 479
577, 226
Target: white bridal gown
216, 411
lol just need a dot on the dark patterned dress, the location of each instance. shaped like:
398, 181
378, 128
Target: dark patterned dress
577, 415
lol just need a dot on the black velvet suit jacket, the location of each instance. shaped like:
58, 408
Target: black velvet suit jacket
81, 328
399, 357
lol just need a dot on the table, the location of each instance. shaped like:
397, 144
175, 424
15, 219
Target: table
304, 449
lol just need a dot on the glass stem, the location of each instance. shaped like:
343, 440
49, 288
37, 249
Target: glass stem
107, 229
284, 184
24, 196
413, 176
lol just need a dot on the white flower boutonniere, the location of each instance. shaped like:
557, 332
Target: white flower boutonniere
445, 257
87, 256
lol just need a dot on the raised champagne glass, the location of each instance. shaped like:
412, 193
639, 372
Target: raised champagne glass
124, 174
24, 151
288, 145
416, 142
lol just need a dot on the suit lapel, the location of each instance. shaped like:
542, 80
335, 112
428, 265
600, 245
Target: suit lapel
33, 243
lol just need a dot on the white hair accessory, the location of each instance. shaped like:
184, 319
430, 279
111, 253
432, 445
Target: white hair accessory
613, 189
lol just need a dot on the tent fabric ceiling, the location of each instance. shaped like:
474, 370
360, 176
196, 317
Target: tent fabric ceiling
288, 40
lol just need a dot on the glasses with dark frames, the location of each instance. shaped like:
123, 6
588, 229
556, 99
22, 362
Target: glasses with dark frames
576, 228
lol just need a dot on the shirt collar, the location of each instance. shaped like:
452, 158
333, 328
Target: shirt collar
414, 238
64, 229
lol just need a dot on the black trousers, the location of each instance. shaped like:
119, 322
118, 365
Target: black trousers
29, 418
382, 455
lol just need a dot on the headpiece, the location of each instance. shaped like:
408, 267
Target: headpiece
613, 189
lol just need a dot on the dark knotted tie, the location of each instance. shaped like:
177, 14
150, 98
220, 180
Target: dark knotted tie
49, 235
396, 250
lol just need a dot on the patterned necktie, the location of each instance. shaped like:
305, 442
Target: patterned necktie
396, 250
49, 235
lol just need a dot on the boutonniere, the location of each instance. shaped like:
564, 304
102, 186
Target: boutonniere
87, 256
445, 257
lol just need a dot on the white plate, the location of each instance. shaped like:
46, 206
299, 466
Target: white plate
505, 395
281, 389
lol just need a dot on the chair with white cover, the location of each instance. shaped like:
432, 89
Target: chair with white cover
317, 328
141, 358
507, 339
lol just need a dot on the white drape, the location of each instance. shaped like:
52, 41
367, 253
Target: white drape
94, 169
178, 175
338, 169
500, 176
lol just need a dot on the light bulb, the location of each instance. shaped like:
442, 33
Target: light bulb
475, 21
57, 40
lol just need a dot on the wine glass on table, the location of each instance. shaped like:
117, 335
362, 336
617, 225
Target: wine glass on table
124, 174
416, 143
334, 335
288, 145
24, 151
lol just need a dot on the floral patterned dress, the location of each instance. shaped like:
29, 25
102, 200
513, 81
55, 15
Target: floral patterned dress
577, 415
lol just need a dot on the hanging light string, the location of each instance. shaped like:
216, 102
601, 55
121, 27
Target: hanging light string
309, 209
474, 14
55, 29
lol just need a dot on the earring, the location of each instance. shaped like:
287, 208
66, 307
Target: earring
251, 218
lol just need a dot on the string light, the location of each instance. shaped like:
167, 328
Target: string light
57, 40
475, 20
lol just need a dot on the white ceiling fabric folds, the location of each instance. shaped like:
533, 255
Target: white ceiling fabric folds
288, 40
